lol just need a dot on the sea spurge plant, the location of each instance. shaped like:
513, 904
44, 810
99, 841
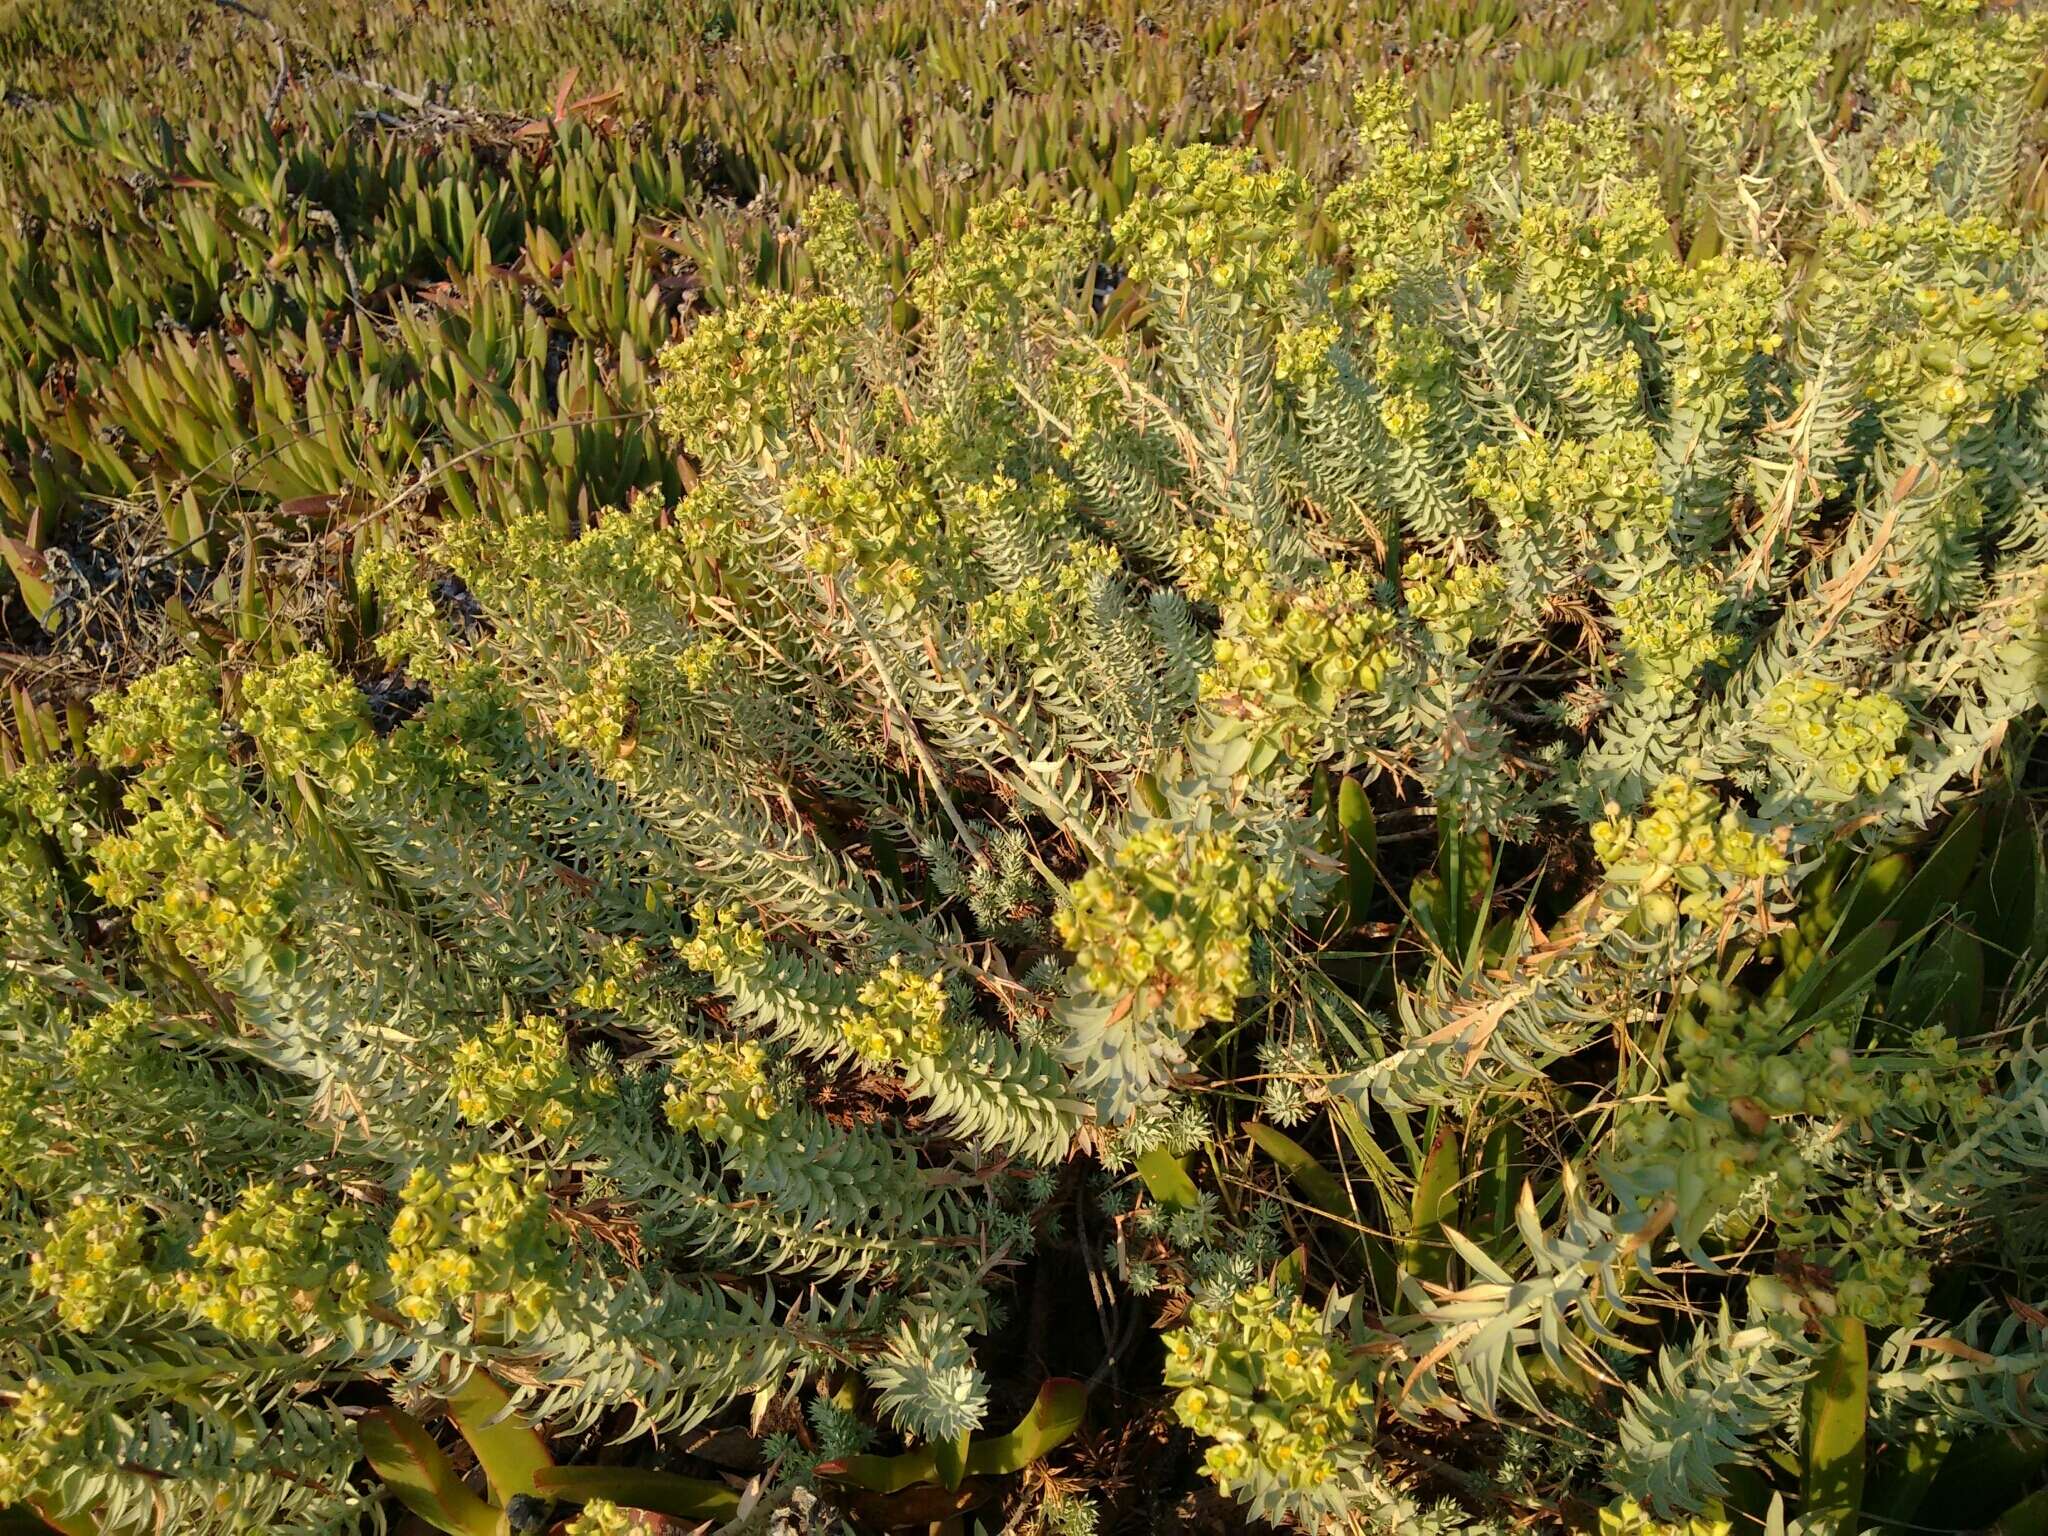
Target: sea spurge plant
1458, 604
747, 378
1622, 250
1625, 1517
1833, 742
1603, 486
719, 1089
35, 1430
1168, 926
308, 717
1962, 353
476, 1241
1686, 856
597, 718
601, 1517
724, 941
1671, 629
1011, 259
209, 895
1288, 665
517, 1069
1396, 215
1221, 562
875, 525
170, 716
91, 1262
105, 1046
1950, 62
279, 1263
1756, 1099
1458, 738
1276, 1387
1773, 73
1208, 218
1725, 320
1020, 622
901, 1014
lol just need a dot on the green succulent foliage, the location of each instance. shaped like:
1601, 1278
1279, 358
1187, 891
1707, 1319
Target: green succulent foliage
340, 258
973, 718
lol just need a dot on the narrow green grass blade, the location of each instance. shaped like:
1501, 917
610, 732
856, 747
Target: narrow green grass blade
1831, 1461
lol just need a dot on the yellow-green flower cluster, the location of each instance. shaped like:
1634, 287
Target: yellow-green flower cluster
1880, 1260
1836, 742
1748, 1077
308, 719
877, 523
1968, 352
35, 1427
41, 796
832, 236
1410, 364
1219, 561
710, 522
902, 1014
1287, 664
517, 1069
1029, 621
1169, 922
1705, 87
725, 942
1462, 151
705, 662
1019, 622
1625, 1517
738, 383
171, 715
477, 1238
1868, 264
1683, 855
601, 1517
720, 1088
213, 896
1393, 217
1460, 603
102, 1047
409, 630
1206, 215
522, 556
1612, 385
1780, 62
1579, 485
279, 1263
1301, 354
1669, 625
615, 981
1570, 254
1088, 560
91, 1262
452, 741
1782, 59
626, 550
1902, 176
1041, 501
1011, 259
1268, 1381
1722, 315
1947, 59
599, 718
1565, 154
